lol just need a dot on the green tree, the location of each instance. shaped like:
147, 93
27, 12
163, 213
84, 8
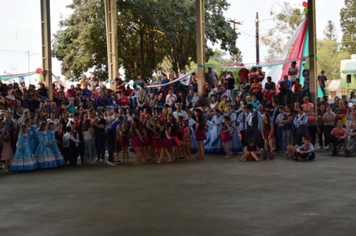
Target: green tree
348, 26
330, 31
149, 31
329, 57
285, 23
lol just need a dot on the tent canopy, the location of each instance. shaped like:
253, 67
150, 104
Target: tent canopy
350, 68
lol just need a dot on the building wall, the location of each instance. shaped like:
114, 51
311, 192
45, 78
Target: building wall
345, 87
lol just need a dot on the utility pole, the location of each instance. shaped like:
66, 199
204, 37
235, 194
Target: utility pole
235, 23
312, 52
257, 40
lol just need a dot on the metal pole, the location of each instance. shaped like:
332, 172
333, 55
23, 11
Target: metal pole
313, 85
200, 28
46, 46
257, 40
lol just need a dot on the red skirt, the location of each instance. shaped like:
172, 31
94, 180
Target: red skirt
124, 142
225, 136
200, 135
136, 142
164, 143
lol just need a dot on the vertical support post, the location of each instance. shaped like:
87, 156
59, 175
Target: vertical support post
257, 40
46, 46
200, 28
313, 82
111, 39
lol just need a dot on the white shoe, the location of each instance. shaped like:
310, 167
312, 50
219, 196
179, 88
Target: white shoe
320, 148
95, 160
101, 161
111, 163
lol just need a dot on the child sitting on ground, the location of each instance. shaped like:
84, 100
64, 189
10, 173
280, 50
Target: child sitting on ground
250, 151
306, 151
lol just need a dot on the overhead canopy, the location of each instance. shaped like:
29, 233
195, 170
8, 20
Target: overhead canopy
350, 68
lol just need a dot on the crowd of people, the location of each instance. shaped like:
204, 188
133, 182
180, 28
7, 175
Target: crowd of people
167, 121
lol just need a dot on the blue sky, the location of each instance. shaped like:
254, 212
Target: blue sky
20, 29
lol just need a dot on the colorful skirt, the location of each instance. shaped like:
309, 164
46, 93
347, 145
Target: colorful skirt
225, 136
200, 135
136, 142
124, 142
165, 143
266, 134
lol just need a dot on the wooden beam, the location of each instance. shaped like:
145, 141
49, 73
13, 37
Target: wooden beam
200, 28
111, 40
46, 46
313, 81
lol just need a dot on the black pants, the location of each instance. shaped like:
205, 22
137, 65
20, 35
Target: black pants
307, 157
321, 128
110, 137
312, 132
276, 137
100, 146
335, 141
243, 138
327, 131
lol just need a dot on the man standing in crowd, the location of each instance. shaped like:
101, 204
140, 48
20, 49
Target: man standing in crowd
139, 82
179, 112
275, 113
93, 82
210, 77
184, 82
293, 72
322, 81
243, 73
285, 89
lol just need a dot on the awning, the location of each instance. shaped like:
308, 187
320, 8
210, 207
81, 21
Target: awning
350, 68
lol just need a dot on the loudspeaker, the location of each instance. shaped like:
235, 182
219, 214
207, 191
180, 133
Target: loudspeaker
348, 79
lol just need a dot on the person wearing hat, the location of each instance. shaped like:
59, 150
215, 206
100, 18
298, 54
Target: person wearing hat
293, 72
322, 81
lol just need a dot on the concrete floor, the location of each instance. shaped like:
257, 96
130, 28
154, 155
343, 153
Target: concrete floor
211, 197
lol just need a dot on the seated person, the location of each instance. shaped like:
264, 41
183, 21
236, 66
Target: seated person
223, 103
306, 151
251, 151
305, 90
337, 136
285, 87
215, 91
244, 89
269, 90
298, 92
255, 102
306, 105
256, 88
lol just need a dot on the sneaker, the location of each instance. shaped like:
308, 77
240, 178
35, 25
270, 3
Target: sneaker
327, 148
320, 148
95, 159
111, 163
101, 161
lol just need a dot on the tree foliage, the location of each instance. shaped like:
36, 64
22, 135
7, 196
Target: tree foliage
329, 57
330, 31
286, 22
348, 26
149, 32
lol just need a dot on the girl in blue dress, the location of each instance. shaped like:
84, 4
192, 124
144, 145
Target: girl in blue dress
194, 144
55, 149
44, 153
34, 128
215, 144
23, 159
32, 135
235, 144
